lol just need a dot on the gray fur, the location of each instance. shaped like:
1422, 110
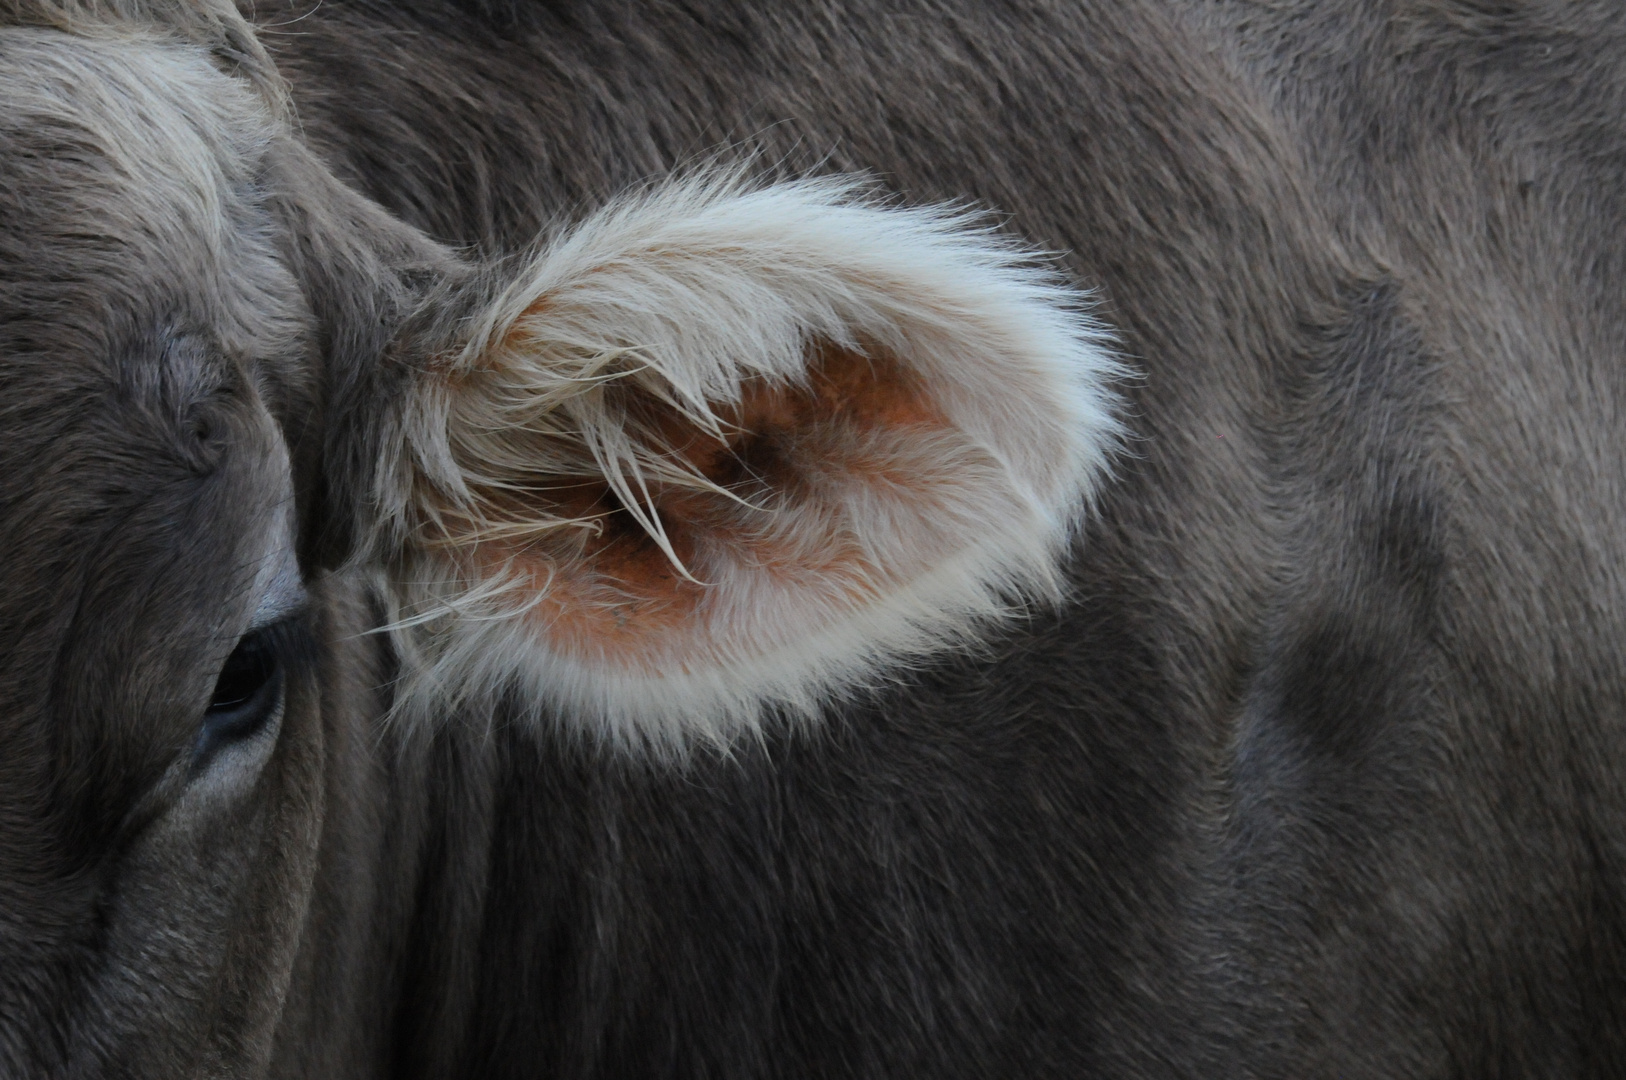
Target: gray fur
1318, 774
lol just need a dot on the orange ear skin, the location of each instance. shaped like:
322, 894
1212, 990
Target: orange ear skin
612, 591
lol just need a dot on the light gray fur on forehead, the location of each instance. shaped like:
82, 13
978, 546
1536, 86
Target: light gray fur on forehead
129, 169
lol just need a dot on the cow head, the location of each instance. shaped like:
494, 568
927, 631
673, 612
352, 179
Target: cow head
719, 452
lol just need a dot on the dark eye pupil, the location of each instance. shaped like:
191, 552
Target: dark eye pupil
249, 689
249, 668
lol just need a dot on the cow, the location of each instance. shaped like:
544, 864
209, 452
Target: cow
602, 538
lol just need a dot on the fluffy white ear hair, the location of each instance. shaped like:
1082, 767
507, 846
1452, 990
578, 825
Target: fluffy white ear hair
723, 451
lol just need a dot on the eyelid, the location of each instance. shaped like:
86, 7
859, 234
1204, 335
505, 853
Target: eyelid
279, 606
282, 592
283, 596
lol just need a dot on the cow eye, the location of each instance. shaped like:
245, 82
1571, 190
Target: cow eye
247, 693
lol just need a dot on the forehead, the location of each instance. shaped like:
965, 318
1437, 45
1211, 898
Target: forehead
130, 205
146, 315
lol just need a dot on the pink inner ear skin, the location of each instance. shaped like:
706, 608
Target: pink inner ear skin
793, 454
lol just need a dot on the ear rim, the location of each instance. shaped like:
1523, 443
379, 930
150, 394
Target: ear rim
459, 642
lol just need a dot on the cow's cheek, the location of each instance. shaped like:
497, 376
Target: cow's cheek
209, 906
274, 892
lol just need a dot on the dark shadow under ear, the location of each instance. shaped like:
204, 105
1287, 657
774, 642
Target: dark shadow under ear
364, 274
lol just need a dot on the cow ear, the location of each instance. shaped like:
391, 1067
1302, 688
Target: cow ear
721, 451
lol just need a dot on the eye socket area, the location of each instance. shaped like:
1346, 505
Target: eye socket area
248, 692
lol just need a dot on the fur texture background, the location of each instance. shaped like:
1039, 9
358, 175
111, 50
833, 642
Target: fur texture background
1319, 773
